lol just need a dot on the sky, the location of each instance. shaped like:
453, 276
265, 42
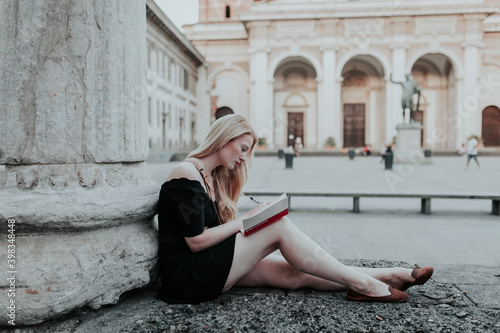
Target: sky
180, 12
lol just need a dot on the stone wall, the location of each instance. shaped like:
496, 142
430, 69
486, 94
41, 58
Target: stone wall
73, 128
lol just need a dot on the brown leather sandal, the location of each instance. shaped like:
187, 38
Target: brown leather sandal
421, 276
396, 296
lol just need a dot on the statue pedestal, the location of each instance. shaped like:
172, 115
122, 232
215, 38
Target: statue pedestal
408, 149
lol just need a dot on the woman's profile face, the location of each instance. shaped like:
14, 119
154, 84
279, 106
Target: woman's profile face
235, 151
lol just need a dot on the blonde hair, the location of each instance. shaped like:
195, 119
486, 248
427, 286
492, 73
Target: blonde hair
227, 183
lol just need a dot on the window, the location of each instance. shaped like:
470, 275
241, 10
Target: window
149, 56
158, 53
228, 12
158, 112
166, 72
149, 110
186, 79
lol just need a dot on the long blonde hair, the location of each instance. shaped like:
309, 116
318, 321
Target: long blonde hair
228, 183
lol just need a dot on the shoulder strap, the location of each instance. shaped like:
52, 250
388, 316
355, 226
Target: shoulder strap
204, 176
200, 170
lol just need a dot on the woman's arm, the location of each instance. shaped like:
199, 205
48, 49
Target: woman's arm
215, 235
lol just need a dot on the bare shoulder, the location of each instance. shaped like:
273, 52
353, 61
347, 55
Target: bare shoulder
184, 170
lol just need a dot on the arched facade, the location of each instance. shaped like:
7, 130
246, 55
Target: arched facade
329, 75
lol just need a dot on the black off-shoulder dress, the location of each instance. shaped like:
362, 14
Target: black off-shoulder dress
185, 210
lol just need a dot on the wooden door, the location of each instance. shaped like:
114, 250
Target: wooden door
491, 126
295, 127
354, 125
418, 117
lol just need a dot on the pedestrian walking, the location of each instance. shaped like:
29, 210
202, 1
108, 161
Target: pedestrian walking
472, 146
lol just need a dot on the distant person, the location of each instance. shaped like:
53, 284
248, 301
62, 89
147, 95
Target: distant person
472, 146
367, 150
462, 150
202, 252
297, 145
388, 150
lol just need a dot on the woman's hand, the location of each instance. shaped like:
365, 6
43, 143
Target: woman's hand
256, 209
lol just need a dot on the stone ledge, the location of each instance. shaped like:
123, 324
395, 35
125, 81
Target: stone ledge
59, 272
80, 209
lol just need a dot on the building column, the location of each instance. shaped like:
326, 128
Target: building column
261, 109
460, 136
372, 137
329, 115
338, 113
390, 129
470, 103
203, 120
398, 74
73, 181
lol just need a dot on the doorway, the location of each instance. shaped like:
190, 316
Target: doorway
491, 126
354, 125
295, 127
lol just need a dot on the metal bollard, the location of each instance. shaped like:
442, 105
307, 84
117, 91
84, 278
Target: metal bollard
388, 159
351, 154
281, 153
289, 160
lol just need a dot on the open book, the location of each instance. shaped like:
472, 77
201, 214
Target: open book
275, 210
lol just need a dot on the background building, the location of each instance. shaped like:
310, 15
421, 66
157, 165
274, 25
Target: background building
174, 69
319, 69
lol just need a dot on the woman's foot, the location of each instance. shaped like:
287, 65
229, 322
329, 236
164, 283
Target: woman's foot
403, 281
395, 296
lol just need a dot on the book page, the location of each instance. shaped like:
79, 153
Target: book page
276, 207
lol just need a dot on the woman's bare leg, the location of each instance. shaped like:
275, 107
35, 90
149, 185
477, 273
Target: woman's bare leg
302, 253
274, 271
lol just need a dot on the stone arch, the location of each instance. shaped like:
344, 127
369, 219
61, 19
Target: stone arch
212, 76
436, 75
363, 102
287, 55
295, 100
455, 61
386, 66
228, 87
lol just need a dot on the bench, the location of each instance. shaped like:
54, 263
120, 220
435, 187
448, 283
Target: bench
425, 198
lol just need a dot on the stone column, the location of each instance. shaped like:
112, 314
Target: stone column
261, 105
261, 115
329, 116
470, 103
73, 181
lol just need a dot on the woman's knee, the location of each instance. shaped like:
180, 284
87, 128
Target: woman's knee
284, 224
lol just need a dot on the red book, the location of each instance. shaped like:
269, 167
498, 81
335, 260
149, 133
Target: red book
274, 211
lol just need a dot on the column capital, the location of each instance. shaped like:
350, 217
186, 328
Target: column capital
472, 43
259, 49
399, 46
329, 48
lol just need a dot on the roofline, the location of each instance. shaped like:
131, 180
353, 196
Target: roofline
158, 17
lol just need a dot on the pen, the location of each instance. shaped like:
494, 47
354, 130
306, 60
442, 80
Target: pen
251, 198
